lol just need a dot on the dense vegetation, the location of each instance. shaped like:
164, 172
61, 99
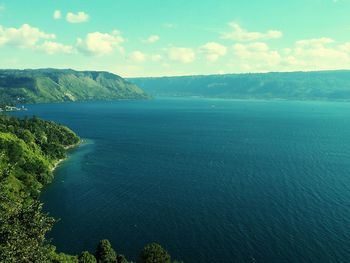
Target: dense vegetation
53, 85
29, 150
323, 85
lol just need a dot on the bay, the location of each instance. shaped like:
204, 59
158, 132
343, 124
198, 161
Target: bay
211, 180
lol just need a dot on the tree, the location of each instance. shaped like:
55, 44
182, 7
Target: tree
121, 259
105, 253
154, 253
63, 258
86, 257
22, 232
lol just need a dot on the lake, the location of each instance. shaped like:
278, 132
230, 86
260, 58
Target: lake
210, 180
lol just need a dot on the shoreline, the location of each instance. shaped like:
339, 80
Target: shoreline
57, 163
67, 148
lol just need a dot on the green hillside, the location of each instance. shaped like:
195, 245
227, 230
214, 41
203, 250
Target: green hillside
53, 85
29, 150
321, 85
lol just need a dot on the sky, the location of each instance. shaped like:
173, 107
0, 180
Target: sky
137, 38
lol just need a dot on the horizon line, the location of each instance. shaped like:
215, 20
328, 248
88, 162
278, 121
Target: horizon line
182, 75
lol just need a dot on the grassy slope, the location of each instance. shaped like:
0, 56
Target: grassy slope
29, 149
51, 85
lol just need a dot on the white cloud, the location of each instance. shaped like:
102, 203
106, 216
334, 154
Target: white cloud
241, 35
345, 47
256, 56
213, 51
156, 58
314, 43
152, 39
79, 17
51, 47
184, 55
57, 14
319, 53
24, 36
138, 57
32, 38
310, 54
101, 43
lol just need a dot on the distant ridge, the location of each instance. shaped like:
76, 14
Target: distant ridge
59, 85
315, 85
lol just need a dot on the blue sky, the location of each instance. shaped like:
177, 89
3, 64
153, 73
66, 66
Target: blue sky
175, 37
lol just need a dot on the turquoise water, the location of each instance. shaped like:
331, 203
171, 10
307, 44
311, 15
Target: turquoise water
210, 180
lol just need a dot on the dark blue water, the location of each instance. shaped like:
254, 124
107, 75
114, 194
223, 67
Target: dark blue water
210, 180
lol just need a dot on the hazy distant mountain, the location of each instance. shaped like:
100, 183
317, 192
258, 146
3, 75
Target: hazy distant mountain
53, 85
322, 85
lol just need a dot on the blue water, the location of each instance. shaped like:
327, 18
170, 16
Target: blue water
210, 180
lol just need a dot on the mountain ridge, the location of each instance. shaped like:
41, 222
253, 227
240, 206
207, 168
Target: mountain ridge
298, 85
60, 85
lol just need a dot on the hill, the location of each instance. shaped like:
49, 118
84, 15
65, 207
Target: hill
321, 85
29, 150
54, 85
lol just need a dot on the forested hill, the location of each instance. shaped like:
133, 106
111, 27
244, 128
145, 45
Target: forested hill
29, 150
321, 85
54, 85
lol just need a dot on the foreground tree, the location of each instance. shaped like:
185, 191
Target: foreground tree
22, 233
63, 258
86, 257
154, 253
105, 253
122, 259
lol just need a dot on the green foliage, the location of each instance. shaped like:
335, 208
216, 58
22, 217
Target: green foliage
48, 137
22, 232
154, 253
31, 147
53, 85
105, 253
63, 258
26, 162
86, 257
122, 259
323, 85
